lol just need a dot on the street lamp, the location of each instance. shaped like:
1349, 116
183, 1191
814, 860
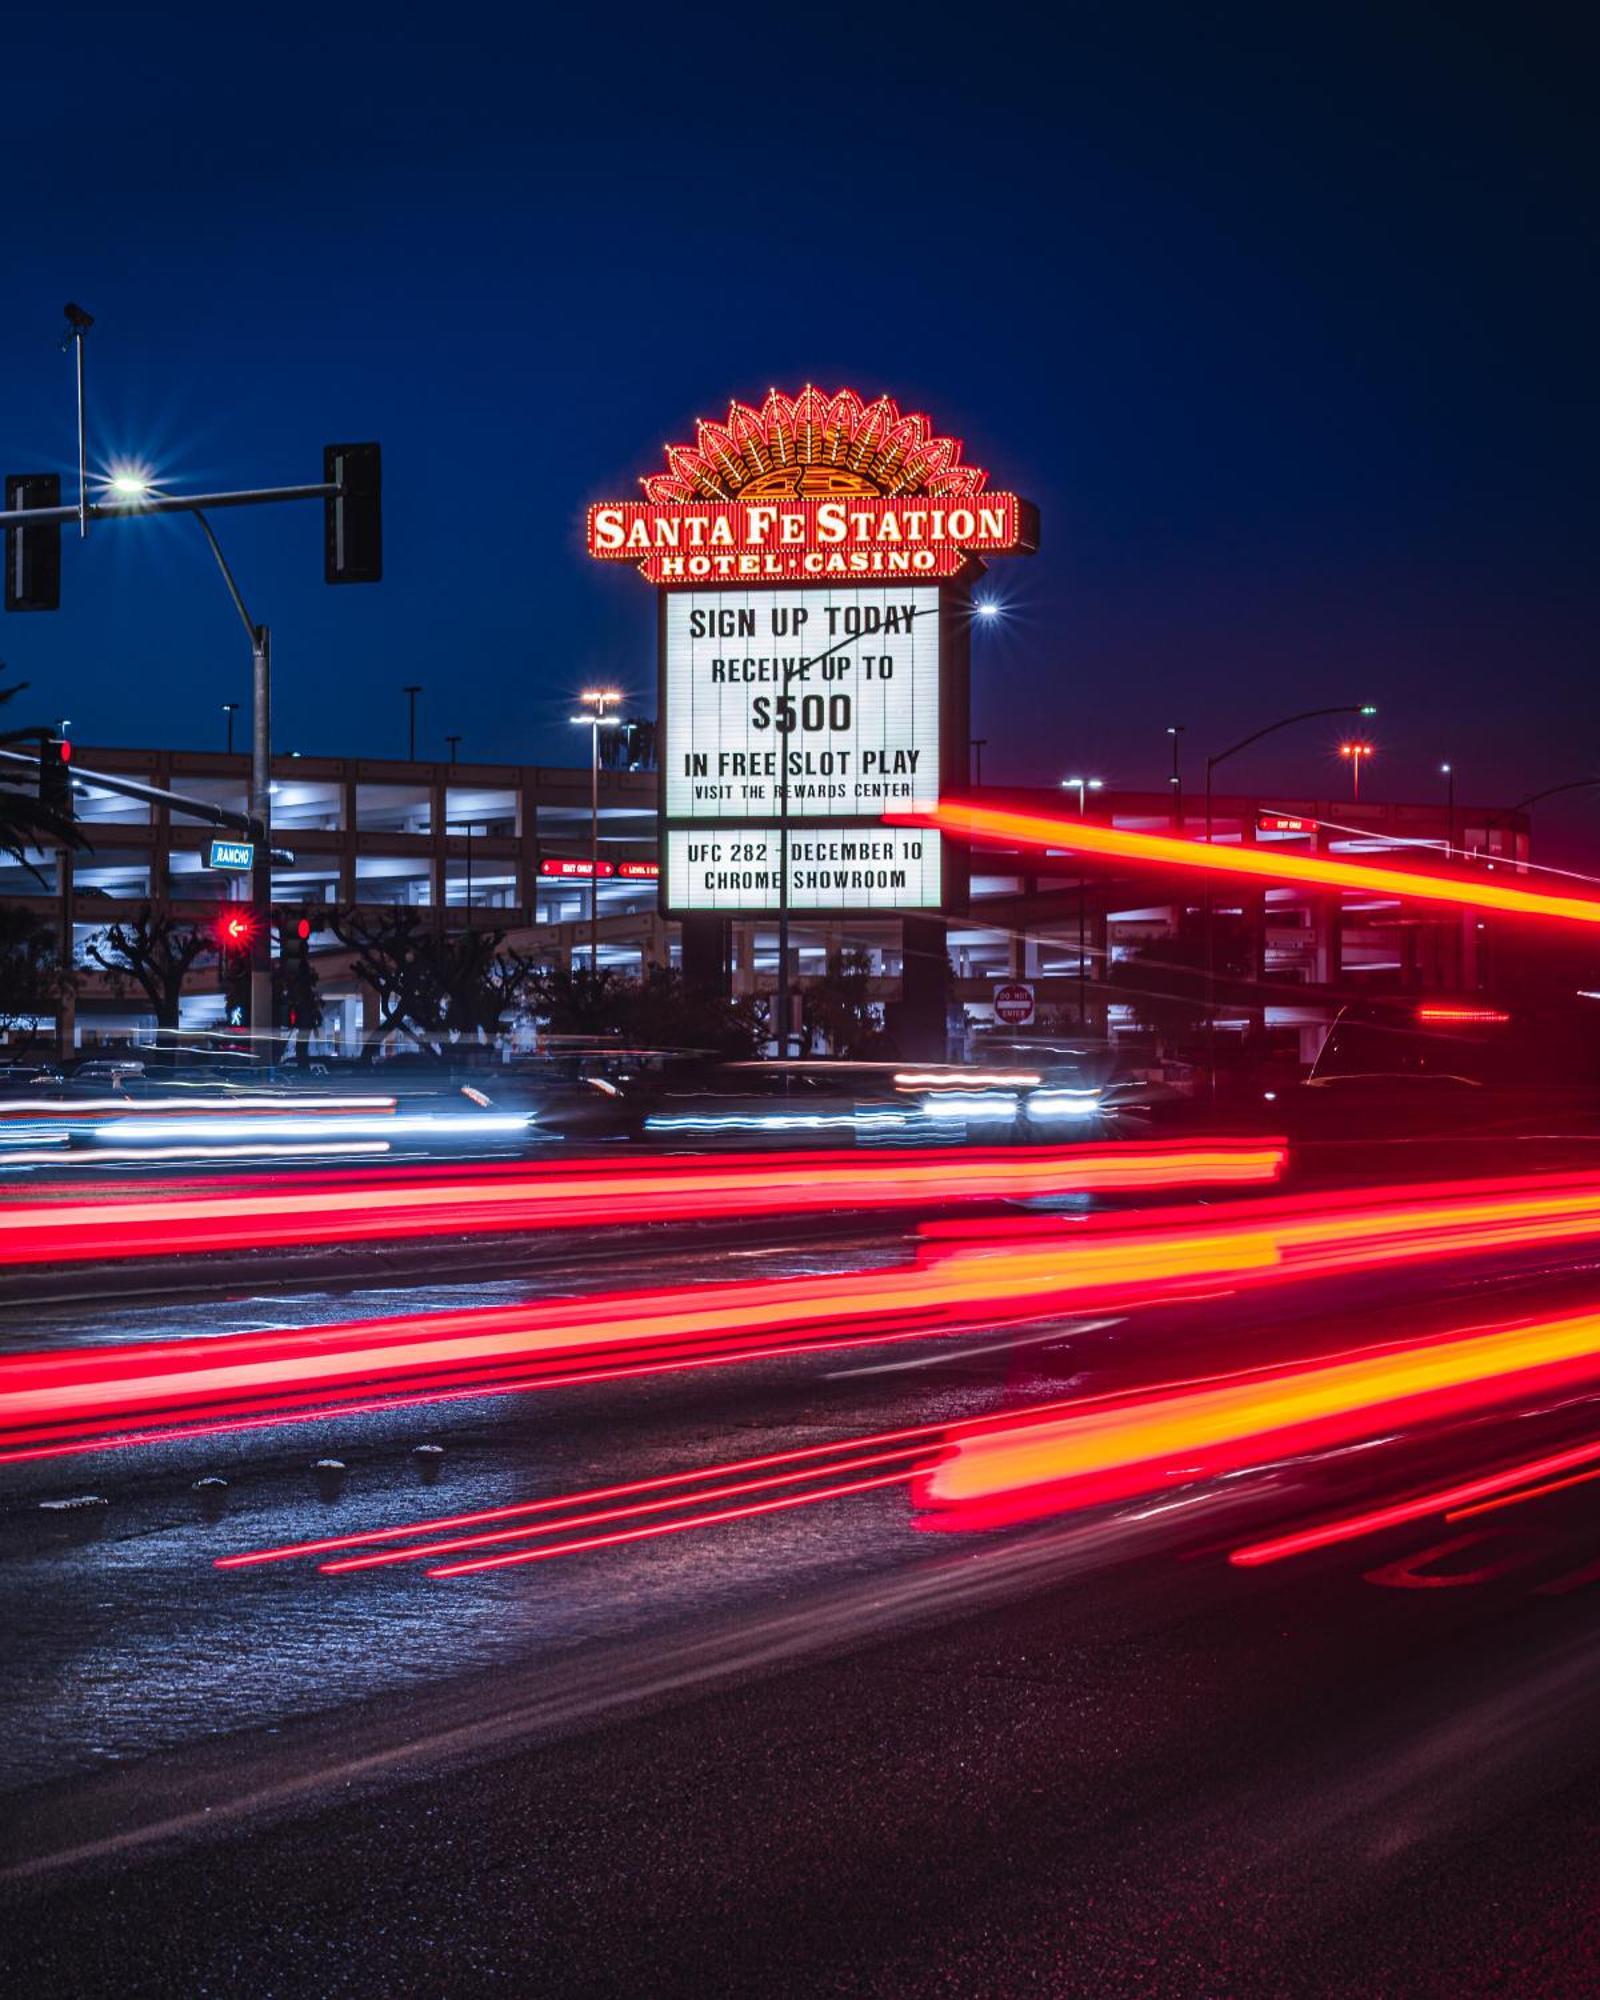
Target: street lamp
1083, 787
1283, 722
455, 745
411, 694
230, 709
1549, 792
1448, 773
130, 482
597, 701
1358, 754
1221, 757
1175, 730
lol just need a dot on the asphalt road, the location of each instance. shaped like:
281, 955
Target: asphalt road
819, 1752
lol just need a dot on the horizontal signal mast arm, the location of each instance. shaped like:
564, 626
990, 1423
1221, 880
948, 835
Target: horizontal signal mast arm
1153, 850
151, 795
169, 503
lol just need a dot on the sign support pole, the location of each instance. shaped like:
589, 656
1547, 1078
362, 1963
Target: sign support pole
261, 860
783, 890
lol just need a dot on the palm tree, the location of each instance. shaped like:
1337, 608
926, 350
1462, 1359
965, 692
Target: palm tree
25, 820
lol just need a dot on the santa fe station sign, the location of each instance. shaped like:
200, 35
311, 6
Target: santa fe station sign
804, 553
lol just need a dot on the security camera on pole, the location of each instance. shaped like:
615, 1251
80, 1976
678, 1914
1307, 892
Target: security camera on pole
351, 493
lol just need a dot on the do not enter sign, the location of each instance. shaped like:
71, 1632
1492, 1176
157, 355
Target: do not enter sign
1013, 1004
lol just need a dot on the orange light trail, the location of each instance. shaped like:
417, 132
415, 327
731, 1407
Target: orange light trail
1159, 850
1149, 1443
261, 1213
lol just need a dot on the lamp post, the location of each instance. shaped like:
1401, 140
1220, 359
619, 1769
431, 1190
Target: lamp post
469, 827
597, 701
133, 486
1548, 792
978, 743
230, 709
1083, 786
1175, 730
1448, 773
1221, 757
455, 745
1358, 754
411, 694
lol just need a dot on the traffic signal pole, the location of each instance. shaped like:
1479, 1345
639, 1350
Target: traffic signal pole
351, 492
260, 799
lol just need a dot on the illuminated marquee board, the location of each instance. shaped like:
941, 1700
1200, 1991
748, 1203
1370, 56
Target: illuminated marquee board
847, 679
813, 649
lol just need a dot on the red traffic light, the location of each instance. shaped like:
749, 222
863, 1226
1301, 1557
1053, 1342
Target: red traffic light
63, 750
235, 929
302, 930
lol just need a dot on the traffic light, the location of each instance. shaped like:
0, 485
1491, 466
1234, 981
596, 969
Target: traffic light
296, 1002
33, 548
235, 931
352, 518
55, 775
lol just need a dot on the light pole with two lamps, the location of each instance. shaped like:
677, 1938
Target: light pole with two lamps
1082, 786
597, 701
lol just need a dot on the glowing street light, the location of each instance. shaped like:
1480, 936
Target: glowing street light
987, 608
130, 482
1357, 754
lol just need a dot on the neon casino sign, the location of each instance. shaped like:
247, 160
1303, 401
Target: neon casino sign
812, 489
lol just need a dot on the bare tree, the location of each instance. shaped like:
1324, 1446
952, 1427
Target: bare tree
31, 976
156, 953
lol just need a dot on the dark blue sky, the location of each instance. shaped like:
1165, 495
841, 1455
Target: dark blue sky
1285, 316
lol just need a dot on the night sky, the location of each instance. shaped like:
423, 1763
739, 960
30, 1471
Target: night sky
1284, 316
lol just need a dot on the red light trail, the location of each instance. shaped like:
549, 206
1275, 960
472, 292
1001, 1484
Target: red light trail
720, 1518
1257, 864
262, 1213
964, 1276
1394, 1514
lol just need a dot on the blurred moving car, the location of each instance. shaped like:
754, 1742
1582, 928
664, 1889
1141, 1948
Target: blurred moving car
1450, 1064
